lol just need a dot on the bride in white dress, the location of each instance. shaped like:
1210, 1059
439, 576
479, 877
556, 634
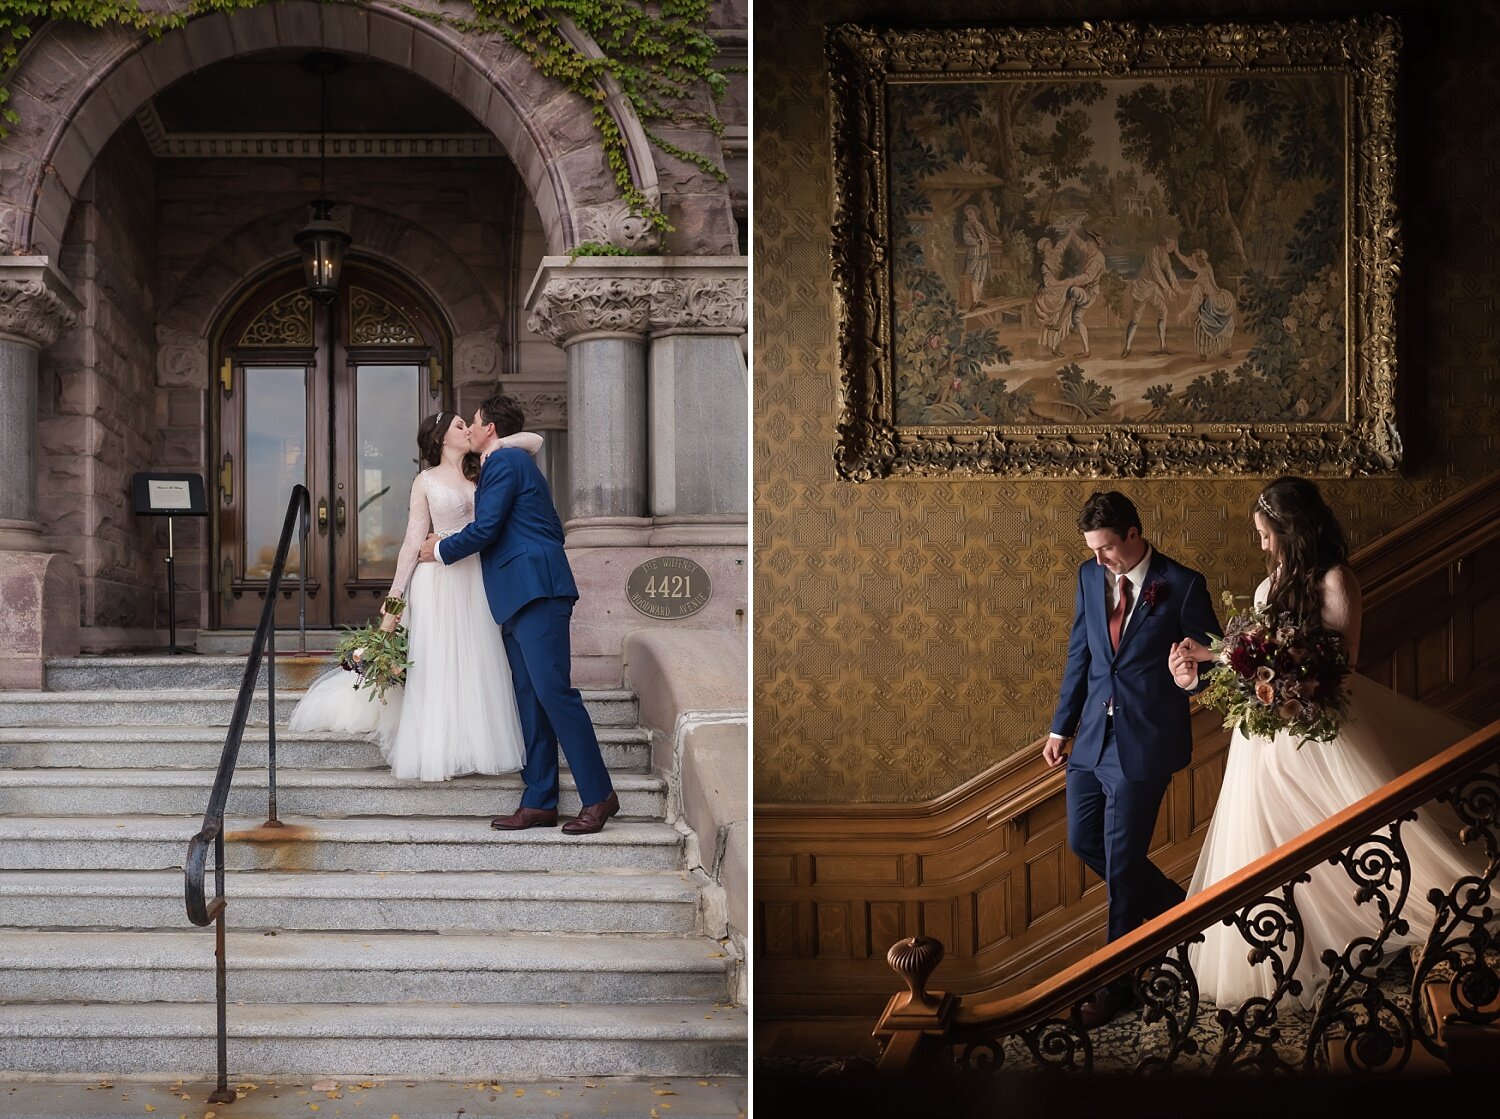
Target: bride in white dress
457, 712
1274, 790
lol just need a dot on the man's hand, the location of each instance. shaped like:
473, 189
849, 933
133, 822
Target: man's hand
1053, 753
1183, 661
428, 554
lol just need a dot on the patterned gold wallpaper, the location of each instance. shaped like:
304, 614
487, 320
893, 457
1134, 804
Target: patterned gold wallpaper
910, 634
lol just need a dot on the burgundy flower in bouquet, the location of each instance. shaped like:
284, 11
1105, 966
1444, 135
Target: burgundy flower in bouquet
1273, 674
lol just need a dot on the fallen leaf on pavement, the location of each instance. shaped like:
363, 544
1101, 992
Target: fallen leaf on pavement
327, 1084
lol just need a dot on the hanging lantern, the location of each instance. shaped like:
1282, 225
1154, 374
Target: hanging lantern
322, 245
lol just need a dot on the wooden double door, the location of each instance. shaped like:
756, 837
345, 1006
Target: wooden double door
329, 397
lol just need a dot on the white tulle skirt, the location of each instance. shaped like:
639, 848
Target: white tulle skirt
1273, 792
457, 712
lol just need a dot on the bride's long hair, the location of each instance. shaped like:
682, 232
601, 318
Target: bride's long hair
1309, 542
430, 435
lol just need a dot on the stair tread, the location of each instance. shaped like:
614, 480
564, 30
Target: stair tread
367, 951
486, 885
259, 777
349, 829
157, 695
147, 732
631, 1021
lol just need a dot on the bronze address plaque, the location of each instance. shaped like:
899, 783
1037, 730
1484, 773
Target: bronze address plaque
669, 588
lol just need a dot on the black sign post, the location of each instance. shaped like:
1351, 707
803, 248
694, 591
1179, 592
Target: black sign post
169, 495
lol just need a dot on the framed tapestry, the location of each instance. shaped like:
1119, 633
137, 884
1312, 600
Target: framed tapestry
1116, 249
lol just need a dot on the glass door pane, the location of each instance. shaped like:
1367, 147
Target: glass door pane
387, 411
275, 461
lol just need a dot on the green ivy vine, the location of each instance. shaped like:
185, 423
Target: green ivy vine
661, 60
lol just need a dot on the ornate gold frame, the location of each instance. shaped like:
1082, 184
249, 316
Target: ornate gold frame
864, 59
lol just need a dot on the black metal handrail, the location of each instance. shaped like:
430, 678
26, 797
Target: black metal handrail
200, 909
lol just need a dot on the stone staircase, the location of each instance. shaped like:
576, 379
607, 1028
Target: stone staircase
385, 930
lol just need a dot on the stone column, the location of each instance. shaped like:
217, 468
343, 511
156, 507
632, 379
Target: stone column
699, 392
601, 322
38, 589
657, 433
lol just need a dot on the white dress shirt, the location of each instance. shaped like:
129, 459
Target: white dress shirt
1137, 577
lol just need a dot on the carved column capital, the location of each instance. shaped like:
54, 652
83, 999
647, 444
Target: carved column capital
700, 304
638, 295
569, 306
35, 304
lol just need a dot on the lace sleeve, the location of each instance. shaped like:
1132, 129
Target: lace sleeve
1342, 608
528, 441
417, 523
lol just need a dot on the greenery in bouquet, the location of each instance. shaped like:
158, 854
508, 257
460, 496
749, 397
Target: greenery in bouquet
378, 656
1272, 674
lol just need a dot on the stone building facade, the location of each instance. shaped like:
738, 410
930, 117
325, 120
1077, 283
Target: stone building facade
148, 292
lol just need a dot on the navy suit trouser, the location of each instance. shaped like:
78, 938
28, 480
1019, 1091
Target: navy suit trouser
539, 648
1110, 822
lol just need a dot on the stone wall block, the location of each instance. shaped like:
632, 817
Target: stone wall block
253, 30
298, 25
678, 175
167, 59
39, 611
347, 28
434, 60
390, 41
705, 225
566, 124
208, 39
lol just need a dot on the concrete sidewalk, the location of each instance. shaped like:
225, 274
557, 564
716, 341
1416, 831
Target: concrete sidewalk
570, 1098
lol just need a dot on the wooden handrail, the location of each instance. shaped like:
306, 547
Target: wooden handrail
1060, 992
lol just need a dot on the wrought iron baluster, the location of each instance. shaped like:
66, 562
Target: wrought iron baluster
1377, 1029
1251, 1032
1459, 937
1163, 986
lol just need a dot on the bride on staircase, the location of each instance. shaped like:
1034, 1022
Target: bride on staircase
1275, 789
457, 712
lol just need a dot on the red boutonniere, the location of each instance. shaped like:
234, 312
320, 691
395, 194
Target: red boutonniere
1152, 593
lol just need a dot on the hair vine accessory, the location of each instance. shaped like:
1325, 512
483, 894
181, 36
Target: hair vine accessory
1265, 507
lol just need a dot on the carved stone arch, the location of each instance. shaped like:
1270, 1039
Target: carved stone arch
75, 85
379, 235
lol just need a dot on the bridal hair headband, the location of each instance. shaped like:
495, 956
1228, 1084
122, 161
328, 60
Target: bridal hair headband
1265, 507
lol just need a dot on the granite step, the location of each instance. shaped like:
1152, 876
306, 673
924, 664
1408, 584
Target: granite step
368, 843
471, 901
194, 747
71, 674
212, 707
498, 1041
308, 792
367, 968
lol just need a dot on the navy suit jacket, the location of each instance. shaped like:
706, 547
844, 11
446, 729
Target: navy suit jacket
517, 535
1152, 723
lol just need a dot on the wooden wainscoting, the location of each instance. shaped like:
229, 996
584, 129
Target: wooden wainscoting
986, 868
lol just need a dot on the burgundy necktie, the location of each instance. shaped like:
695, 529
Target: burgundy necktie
1117, 615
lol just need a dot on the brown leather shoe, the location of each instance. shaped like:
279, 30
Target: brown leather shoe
523, 818
592, 818
1104, 1004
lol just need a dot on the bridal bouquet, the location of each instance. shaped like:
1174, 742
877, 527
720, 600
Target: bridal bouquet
377, 656
1271, 674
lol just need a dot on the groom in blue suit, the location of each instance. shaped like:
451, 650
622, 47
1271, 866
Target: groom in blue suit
531, 593
1127, 718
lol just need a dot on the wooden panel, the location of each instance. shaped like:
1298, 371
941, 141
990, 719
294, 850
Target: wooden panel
968, 858
1204, 780
886, 927
833, 929
852, 869
1050, 814
940, 919
1434, 661
778, 928
1044, 884
992, 914
776, 870
1486, 631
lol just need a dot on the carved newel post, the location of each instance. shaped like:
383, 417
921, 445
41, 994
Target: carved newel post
38, 589
915, 1024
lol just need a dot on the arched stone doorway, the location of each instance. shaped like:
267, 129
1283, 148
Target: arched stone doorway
130, 384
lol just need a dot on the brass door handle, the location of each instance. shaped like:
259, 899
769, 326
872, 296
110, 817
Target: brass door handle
322, 516
338, 515
226, 478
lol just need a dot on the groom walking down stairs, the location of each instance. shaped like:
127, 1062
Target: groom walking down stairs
384, 930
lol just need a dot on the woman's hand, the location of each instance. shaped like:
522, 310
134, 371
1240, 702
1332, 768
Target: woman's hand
388, 622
